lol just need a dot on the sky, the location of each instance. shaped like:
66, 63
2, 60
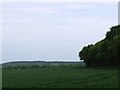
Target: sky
53, 30
119, 12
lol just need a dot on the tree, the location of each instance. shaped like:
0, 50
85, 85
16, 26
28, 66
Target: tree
104, 53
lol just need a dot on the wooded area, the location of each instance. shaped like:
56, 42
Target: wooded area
105, 53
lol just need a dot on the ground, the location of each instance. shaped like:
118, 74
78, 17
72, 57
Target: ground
60, 77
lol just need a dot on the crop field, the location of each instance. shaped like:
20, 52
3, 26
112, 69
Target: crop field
60, 77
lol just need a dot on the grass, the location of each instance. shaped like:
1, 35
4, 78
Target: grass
60, 77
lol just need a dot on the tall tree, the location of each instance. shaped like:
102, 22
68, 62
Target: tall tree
104, 53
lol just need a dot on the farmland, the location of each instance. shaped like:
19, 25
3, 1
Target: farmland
60, 77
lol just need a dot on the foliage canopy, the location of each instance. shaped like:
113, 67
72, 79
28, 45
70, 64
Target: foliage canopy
104, 53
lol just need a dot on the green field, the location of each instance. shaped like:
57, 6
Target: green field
60, 77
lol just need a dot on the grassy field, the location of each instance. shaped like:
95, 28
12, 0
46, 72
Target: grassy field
60, 78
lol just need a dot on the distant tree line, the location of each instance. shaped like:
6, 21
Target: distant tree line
105, 53
43, 65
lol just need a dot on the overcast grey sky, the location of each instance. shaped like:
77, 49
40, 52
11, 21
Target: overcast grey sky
53, 31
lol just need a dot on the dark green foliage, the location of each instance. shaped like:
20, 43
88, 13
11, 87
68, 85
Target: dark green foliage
104, 53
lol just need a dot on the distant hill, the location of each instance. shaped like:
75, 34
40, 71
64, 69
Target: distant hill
26, 64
